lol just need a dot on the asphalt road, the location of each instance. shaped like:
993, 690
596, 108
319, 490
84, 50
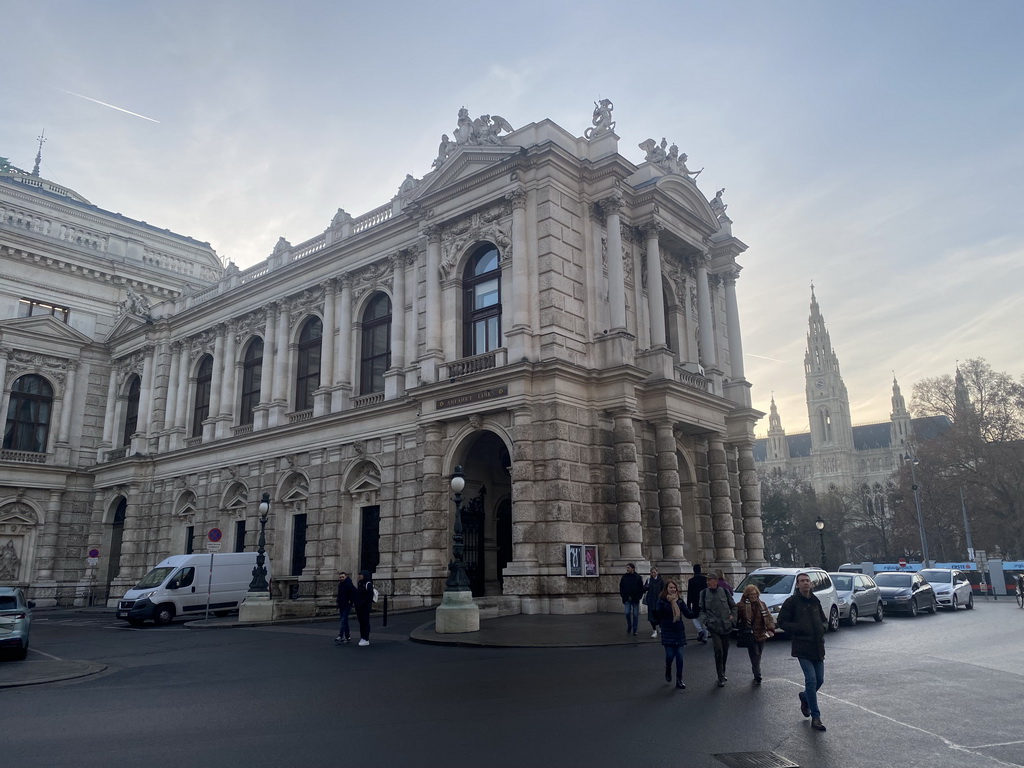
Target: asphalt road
935, 691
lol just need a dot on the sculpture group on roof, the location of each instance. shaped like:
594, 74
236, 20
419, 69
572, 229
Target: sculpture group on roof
670, 161
602, 119
482, 131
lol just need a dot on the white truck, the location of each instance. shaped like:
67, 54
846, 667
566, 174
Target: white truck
190, 585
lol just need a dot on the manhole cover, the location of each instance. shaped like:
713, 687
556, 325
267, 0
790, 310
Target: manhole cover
756, 760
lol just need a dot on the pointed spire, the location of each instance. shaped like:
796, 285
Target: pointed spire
820, 357
961, 397
774, 422
39, 153
899, 405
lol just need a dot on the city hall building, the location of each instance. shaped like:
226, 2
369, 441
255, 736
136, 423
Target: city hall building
559, 321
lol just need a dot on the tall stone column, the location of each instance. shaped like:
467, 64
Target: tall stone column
655, 298
109, 414
616, 271
434, 543
48, 541
279, 401
669, 496
734, 496
5, 353
627, 489
261, 413
343, 362
412, 320
721, 503
433, 354
180, 409
210, 423
226, 412
704, 525
394, 377
64, 428
140, 444
750, 504
732, 319
706, 328
322, 396
518, 337
173, 382
525, 504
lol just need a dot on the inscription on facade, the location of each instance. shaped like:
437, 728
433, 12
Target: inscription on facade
472, 397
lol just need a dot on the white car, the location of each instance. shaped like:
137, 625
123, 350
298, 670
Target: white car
952, 589
777, 584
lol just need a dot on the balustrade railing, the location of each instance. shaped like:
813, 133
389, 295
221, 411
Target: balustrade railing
300, 416
364, 400
469, 365
241, 429
117, 453
192, 442
372, 219
30, 457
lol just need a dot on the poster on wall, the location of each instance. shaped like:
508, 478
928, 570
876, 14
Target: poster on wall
574, 560
590, 560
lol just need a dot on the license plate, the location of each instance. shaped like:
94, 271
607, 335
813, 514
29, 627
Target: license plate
885, 602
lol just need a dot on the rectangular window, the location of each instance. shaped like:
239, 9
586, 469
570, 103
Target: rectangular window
240, 536
33, 308
298, 544
190, 533
369, 548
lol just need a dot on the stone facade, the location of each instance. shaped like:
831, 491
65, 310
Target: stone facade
538, 309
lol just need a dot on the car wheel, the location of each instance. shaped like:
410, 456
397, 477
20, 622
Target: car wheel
878, 613
833, 620
955, 604
163, 615
970, 602
913, 607
933, 608
853, 615
21, 653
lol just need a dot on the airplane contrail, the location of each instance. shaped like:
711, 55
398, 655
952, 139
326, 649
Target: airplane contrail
762, 357
97, 101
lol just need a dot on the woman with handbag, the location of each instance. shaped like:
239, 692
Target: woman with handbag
756, 625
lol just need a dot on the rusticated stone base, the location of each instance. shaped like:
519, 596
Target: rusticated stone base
457, 613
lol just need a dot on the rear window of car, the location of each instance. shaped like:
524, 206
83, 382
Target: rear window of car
769, 583
893, 579
8, 602
936, 575
843, 583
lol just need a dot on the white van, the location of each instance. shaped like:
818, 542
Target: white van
777, 584
182, 585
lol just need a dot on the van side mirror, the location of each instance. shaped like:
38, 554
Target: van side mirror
31, 603
173, 584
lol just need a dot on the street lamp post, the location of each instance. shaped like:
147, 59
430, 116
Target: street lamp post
259, 573
820, 525
457, 611
917, 502
458, 580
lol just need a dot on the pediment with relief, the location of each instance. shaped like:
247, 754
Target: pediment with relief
125, 325
463, 163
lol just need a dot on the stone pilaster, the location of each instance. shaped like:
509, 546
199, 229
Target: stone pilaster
721, 504
627, 489
750, 502
669, 497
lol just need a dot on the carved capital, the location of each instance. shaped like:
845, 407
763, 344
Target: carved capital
432, 232
517, 198
730, 275
651, 229
612, 204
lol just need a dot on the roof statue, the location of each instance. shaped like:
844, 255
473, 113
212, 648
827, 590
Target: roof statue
669, 160
717, 204
602, 119
482, 131
135, 303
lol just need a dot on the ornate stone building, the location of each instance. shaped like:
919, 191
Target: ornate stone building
559, 321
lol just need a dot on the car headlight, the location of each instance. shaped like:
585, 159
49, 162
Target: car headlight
902, 598
775, 609
842, 601
144, 595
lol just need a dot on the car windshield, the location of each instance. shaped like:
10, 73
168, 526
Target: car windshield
769, 583
154, 578
936, 576
843, 583
893, 579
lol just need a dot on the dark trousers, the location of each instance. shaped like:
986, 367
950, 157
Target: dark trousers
674, 652
343, 629
363, 615
721, 645
754, 652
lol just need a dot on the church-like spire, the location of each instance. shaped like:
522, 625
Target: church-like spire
899, 405
961, 397
820, 357
39, 153
774, 422
900, 428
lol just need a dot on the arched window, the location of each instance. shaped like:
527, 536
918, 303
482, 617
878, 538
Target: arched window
201, 411
481, 302
131, 410
252, 373
308, 378
28, 414
375, 356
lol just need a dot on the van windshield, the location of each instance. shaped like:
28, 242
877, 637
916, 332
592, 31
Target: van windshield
769, 583
154, 578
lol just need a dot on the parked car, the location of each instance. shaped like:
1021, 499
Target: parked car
858, 596
776, 584
909, 592
952, 589
15, 621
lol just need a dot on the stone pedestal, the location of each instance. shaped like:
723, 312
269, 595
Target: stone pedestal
257, 606
457, 613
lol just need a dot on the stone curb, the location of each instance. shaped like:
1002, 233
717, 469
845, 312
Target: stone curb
23, 673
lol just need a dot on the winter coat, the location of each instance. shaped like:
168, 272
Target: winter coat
346, 593
756, 616
673, 632
654, 589
717, 610
803, 620
697, 584
631, 587
363, 599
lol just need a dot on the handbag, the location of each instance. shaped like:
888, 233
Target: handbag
745, 638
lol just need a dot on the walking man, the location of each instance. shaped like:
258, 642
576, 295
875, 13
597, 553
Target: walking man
346, 593
698, 583
653, 588
802, 619
718, 612
363, 601
631, 589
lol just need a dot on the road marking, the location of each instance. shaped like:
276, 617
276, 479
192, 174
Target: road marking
48, 655
943, 739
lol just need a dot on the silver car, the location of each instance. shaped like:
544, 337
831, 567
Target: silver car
859, 596
952, 589
15, 621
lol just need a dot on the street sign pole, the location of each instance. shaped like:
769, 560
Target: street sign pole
212, 546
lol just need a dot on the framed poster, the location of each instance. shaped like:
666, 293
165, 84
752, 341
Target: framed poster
574, 560
590, 567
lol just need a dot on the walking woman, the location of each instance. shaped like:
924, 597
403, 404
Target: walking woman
672, 610
754, 615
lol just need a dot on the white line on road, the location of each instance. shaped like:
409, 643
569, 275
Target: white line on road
48, 655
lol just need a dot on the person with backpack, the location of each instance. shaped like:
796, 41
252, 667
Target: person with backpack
718, 614
346, 594
364, 604
654, 586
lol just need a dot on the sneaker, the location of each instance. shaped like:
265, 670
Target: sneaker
364, 642
654, 633
757, 681
817, 725
634, 634
805, 708
338, 639
347, 640
721, 682
680, 685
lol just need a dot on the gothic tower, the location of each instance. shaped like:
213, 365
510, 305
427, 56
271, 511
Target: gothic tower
777, 452
828, 408
900, 429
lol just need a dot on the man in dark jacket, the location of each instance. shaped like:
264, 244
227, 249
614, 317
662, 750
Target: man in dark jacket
363, 601
698, 583
718, 612
802, 618
631, 589
653, 588
346, 594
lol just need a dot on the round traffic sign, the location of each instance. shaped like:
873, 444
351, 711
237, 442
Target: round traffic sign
903, 562
94, 553
214, 534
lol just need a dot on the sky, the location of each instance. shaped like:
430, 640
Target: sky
874, 148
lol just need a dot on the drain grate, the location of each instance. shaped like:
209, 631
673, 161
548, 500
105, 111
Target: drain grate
756, 760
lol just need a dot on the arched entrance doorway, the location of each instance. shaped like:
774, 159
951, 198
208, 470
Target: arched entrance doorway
487, 511
116, 536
